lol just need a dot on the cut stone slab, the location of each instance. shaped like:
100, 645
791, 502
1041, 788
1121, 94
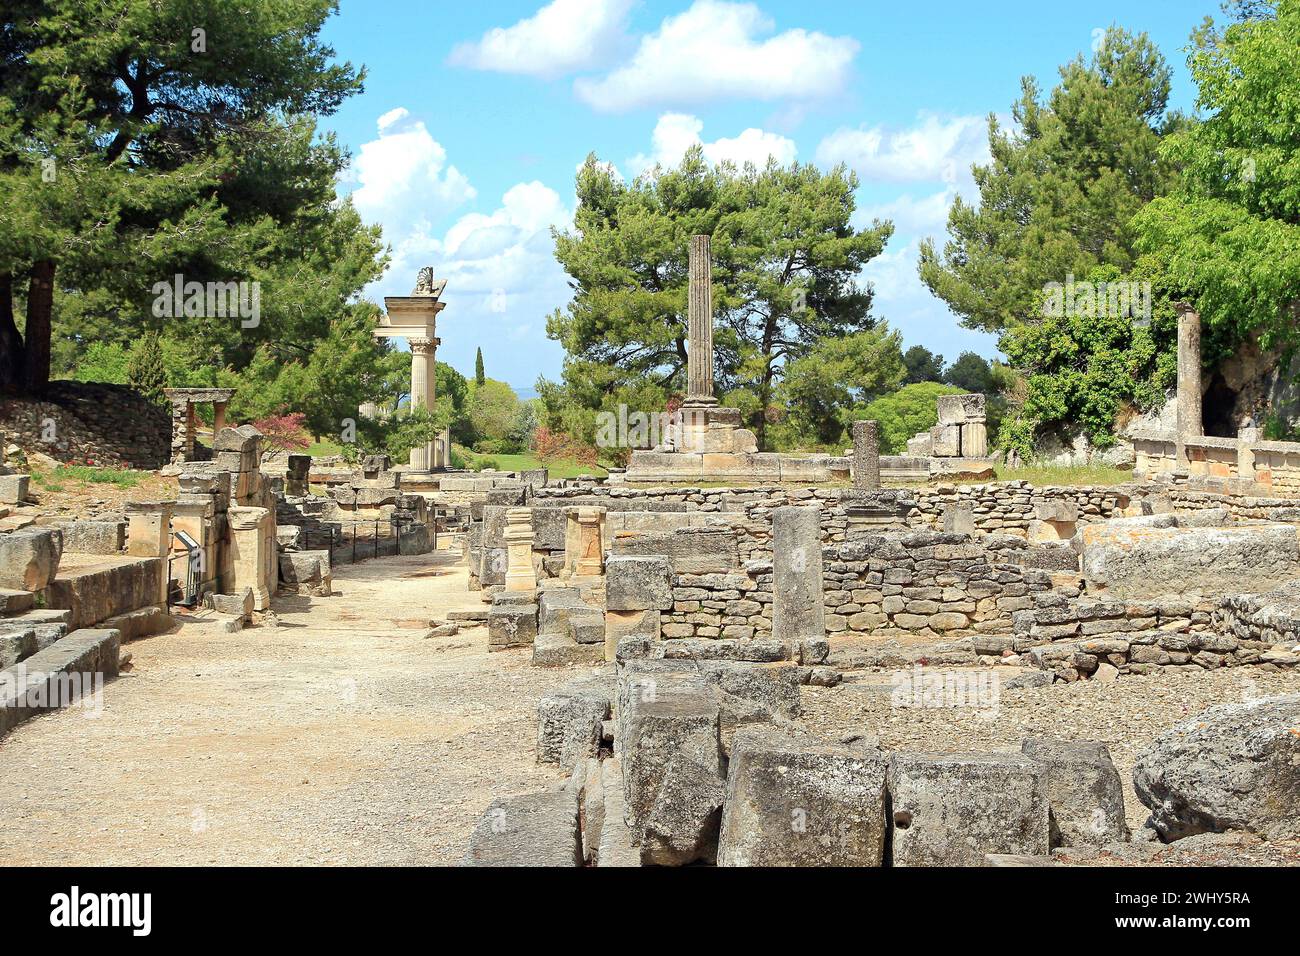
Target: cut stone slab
616, 846
510, 625
560, 650
1084, 793
536, 829
798, 802
63, 674
954, 809
307, 572
1232, 767
476, 614
238, 605
635, 583
663, 717
94, 537
29, 560
570, 726
13, 489
15, 602
683, 824
1155, 562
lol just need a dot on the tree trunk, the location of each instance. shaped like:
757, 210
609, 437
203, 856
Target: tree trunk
11, 342
40, 304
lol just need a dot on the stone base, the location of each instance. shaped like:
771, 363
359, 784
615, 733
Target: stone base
649, 467
974, 469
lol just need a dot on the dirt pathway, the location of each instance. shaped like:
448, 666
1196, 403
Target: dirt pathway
341, 737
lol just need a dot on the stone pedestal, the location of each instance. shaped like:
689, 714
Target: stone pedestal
584, 553
866, 455
520, 573
253, 554
798, 613
148, 535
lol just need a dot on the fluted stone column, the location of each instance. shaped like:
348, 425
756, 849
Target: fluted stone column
866, 455
798, 613
423, 386
699, 345
1190, 423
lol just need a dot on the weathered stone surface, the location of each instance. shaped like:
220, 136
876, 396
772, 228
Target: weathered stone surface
1233, 767
959, 409
511, 625
29, 559
683, 824
1153, 562
560, 650
663, 717
13, 489
569, 726
798, 610
953, 809
615, 846
688, 550
59, 675
536, 829
635, 583
240, 605
307, 572
1084, 793
945, 441
800, 802
94, 537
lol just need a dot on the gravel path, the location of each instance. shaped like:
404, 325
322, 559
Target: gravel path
341, 737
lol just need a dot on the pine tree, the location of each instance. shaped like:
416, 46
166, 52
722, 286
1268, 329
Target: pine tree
479, 377
146, 372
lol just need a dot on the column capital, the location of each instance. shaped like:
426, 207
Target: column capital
420, 345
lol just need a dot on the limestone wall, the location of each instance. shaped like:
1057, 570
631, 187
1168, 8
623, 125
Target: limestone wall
78, 422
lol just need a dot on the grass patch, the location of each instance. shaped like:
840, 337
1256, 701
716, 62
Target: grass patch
557, 469
1065, 475
54, 480
322, 449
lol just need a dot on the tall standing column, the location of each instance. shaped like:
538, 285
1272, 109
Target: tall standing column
421, 350
699, 346
1190, 424
866, 455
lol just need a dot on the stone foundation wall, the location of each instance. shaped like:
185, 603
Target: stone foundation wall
1079, 637
84, 423
923, 584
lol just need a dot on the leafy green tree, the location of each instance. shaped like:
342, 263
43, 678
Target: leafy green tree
824, 389
103, 362
479, 377
786, 267
493, 407
971, 373
922, 365
1056, 206
1228, 237
906, 412
146, 372
135, 146
1058, 196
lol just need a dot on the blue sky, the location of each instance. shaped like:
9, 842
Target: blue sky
476, 116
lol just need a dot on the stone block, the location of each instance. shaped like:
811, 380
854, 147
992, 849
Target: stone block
945, 441
29, 560
798, 611
569, 726
306, 572
621, 624
635, 583
13, 489
953, 809
1084, 793
959, 409
240, 605
688, 550
536, 829
799, 802
1232, 767
511, 625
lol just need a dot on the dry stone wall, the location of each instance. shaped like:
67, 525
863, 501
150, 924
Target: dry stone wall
84, 423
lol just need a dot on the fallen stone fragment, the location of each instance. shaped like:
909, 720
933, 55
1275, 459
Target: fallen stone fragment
536, 829
1233, 767
1084, 793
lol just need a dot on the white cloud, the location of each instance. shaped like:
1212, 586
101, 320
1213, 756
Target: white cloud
675, 133
563, 36
926, 216
405, 184
714, 51
935, 149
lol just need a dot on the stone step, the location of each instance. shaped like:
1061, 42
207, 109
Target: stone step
35, 685
15, 602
